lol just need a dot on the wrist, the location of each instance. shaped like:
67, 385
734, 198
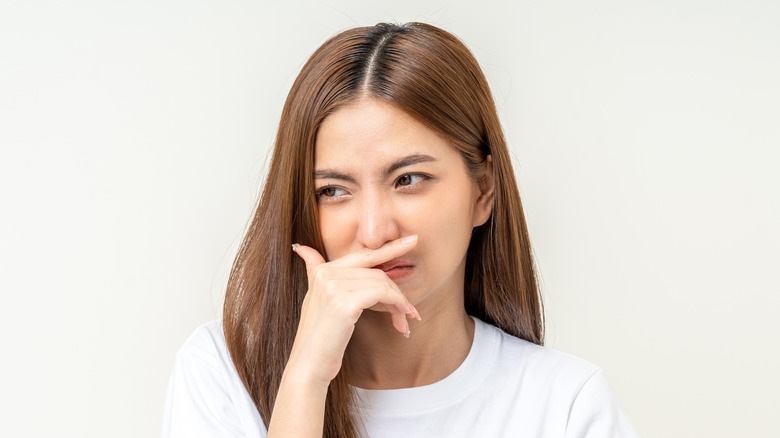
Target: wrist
304, 378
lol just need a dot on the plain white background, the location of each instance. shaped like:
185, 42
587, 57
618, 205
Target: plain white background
135, 136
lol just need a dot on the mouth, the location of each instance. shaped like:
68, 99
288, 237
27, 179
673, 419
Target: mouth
396, 269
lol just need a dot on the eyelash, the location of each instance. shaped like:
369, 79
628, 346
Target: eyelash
320, 193
411, 176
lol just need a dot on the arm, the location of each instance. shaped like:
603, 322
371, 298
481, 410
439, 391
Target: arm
300, 406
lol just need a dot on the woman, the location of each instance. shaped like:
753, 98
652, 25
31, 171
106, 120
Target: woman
408, 304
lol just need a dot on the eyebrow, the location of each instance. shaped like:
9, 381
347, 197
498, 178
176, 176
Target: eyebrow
398, 164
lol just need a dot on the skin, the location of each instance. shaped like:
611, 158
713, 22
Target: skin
397, 208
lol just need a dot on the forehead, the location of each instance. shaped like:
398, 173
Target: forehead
369, 132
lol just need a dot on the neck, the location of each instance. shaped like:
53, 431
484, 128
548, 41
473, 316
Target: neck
381, 358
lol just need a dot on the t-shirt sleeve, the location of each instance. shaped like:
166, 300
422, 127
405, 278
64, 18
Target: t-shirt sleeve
198, 402
595, 412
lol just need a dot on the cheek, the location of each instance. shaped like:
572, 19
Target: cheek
337, 233
450, 222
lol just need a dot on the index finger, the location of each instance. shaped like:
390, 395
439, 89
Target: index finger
368, 258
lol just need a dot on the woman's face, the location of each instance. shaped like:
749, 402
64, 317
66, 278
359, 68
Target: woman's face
381, 175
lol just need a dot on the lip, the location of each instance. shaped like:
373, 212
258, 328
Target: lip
396, 269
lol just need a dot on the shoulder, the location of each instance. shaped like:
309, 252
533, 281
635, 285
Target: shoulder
536, 361
530, 373
565, 393
203, 362
206, 396
207, 343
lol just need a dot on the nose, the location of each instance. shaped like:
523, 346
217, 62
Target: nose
377, 222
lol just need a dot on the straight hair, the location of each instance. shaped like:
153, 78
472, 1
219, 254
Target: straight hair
432, 76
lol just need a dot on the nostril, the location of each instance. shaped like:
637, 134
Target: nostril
377, 234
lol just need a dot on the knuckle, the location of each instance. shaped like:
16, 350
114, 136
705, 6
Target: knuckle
331, 290
379, 290
347, 309
388, 286
378, 272
320, 273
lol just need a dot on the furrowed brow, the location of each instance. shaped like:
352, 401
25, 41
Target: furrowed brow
332, 174
408, 161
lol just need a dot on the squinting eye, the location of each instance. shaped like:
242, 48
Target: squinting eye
330, 192
409, 179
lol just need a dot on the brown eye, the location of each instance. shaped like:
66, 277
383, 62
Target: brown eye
330, 192
410, 179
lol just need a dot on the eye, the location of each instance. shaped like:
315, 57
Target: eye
330, 192
410, 179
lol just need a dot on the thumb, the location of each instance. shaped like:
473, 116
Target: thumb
310, 256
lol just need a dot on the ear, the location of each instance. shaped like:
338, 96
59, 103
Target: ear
484, 202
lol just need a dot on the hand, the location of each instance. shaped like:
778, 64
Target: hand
338, 293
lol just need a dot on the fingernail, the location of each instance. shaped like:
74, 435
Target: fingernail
295, 246
415, 314
409, 239
406, 335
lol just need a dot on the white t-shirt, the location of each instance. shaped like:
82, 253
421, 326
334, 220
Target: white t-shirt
506, 387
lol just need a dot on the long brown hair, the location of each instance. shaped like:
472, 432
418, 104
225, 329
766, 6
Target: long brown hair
431, 75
